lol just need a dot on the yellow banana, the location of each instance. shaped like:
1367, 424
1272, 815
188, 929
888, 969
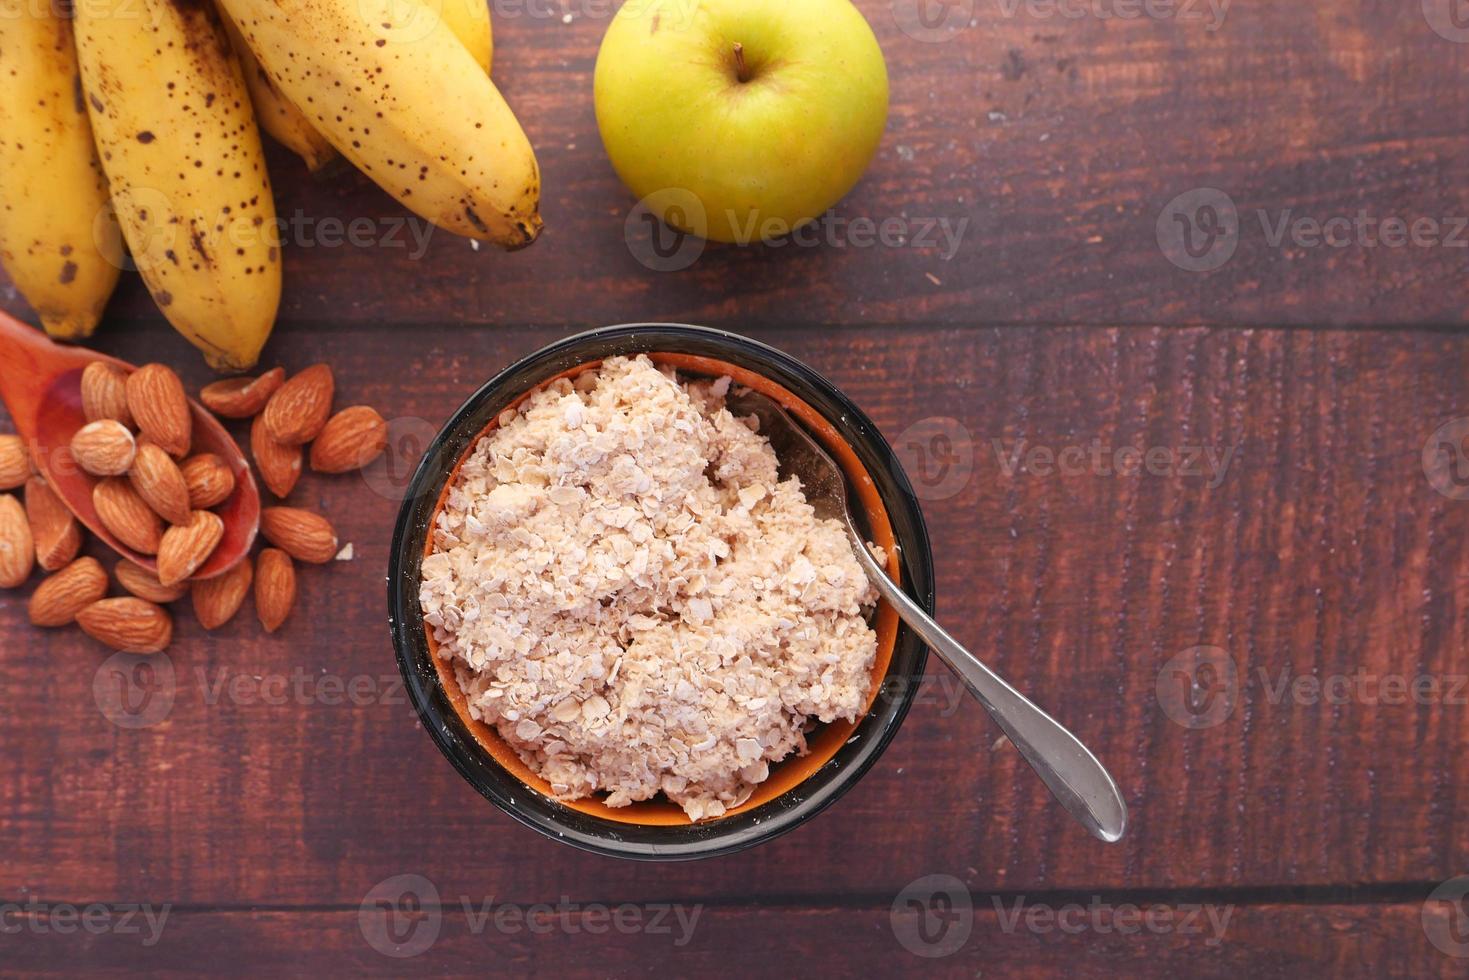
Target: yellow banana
275, 113
468, 19
57, 240
470, 22
182, 154
393, 89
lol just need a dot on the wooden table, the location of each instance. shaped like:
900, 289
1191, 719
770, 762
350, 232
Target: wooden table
1298, 786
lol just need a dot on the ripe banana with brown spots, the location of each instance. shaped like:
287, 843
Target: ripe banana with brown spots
57, 240
275, 113
393, 89
179, 144
278, 116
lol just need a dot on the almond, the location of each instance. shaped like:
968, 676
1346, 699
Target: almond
240, 398
145, 585
216, 600
58, 599
105, 394
279, 466
55, 530
185, 547
299, 533
160, 408
15, 463
350, 440
209, 479
160, 483
275, 588
128, 624
104, 448
296, 413
17, 547
127, 516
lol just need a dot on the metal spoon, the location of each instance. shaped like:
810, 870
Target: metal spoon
1068, 768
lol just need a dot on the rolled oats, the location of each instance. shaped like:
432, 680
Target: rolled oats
636, 602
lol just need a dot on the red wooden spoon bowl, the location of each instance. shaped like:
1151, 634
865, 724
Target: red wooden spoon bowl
41, 385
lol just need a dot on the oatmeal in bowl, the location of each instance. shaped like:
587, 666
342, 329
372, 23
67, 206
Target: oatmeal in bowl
632, 612
637, 601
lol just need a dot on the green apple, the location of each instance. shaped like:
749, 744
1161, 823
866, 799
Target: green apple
740, 120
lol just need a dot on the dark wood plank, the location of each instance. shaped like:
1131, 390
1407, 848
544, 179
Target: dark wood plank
1323, 552
1019, 936
1058, 141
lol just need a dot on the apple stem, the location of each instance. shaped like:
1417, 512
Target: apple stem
741, 72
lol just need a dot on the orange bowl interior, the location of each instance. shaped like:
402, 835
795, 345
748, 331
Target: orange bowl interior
823, 743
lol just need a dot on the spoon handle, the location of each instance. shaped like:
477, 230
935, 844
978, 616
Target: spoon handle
1081, 784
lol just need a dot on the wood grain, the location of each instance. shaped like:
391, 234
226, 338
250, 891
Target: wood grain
1057, 142
1267, 941
1323, 552
1319, 794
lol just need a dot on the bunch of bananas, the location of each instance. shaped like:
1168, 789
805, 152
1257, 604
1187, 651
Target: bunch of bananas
131, 124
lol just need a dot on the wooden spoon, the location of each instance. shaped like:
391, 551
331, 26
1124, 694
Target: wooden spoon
41, 385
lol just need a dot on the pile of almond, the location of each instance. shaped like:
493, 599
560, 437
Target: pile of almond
156, 497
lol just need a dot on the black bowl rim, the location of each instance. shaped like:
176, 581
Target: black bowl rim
559, 822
